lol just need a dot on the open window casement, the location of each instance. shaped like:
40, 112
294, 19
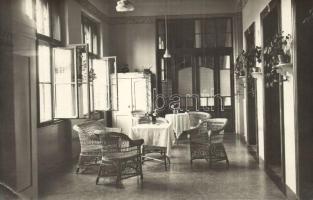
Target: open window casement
71, 90
105, 83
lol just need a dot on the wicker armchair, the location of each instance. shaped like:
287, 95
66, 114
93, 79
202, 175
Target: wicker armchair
121, 157
197, 117
206, 142
90, 144
216, 128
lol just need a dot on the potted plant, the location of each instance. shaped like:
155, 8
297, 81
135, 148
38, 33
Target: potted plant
277, 50
240, 65
246, 61
276, 56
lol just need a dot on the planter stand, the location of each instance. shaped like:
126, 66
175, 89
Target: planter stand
284, 69
257, 75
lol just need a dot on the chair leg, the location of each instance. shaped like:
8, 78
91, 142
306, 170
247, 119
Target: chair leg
165, 163
226, 157
99, 174
77, 169
78, 164
119, 176
139, 162
210, 156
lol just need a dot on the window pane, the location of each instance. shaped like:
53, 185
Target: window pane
65, 101
29, 8
83, 100
224, 40
95, 43
56, 27
209, 40
225, 62
225, 82
64, 71
42, 17
45, 102
209, 26
65, 92
44, 63
101, 85
87, 36
91, 100
56, 19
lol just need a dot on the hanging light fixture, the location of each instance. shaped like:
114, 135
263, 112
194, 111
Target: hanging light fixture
167, 53
125, 6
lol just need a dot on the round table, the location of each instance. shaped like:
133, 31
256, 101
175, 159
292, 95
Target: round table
180, 122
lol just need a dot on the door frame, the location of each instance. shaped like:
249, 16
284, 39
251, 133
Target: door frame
280, 182
251, 28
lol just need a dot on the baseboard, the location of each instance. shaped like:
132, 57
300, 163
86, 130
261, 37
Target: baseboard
242, 139
290, 194
261, 163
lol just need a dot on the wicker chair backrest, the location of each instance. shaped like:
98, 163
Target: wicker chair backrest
197, 117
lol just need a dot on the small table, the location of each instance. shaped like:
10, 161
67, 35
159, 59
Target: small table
180, 121
159, 134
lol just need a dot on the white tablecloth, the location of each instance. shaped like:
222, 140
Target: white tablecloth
159, 134
180, 122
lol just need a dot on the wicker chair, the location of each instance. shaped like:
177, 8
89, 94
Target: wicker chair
216, 128
121, 157
206, 141
90, 144
197, 117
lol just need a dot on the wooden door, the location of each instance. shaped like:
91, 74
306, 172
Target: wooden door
274, 116
252, 96
122, 117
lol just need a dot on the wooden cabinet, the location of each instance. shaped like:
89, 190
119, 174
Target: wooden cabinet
133, 94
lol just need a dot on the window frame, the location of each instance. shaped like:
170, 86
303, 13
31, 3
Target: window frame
86, 20
51, 43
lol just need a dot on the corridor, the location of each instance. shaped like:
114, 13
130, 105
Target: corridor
243, 180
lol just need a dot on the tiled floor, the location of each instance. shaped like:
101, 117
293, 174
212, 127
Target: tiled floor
243, 180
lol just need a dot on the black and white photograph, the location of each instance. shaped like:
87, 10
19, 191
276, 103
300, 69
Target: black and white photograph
156, 99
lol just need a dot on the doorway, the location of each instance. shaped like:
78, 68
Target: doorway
304, 32
200, 70
273, 99
252, 99
208, 77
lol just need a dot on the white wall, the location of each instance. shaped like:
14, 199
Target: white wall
251, 13
132, 35
134, 44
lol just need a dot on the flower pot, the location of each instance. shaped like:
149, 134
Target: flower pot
283, 59
153, 119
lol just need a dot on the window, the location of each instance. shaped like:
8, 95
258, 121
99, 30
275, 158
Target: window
48, 23
28, 8
45, 82
90, 30
66, 77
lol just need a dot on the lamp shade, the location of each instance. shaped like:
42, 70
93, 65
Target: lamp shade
124, 6
167, 54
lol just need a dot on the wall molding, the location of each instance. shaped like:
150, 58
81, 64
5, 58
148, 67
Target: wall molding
132, 20
92, 9
152, 19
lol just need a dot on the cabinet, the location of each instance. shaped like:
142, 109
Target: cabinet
133, 94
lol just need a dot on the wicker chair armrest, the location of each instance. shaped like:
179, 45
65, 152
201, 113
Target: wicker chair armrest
136, 142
